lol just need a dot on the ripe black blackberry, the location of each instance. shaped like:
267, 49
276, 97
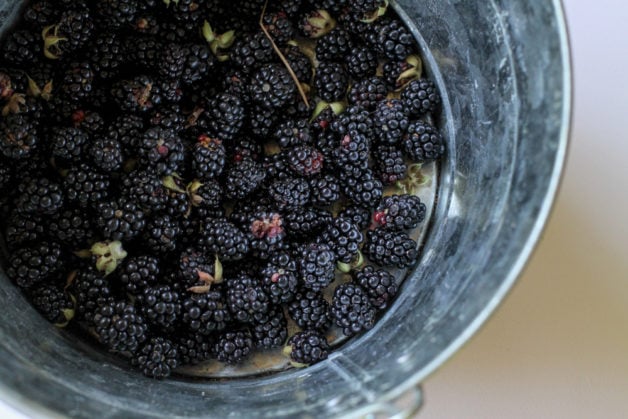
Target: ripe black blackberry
272, 333
292, 133
233, 347
89, 121
194, 348
317, 266
39, 14
144, 188
247, 300
91, 290
205, 313
360, 216
245, 148
115, 14
310, 310
352, 309
305, 161
243, 178
172, 61
68, 143
334, 46
128, 130
168, 117
393, 39
423, 143
161, 307
107, 56
85, 186
325, 190
222, 238
302, 223
290, 193
307, 347
139, 94
355, 119
344, 238
205, 198
199, 63
331, 81
138, 273
53, 303
31, 265
119, 220
178, 205
72, 227
19, 136
120, 327
106, 154
367, 93
390, 166
39, 196
420, 97
157, 358
279, 278
78, 81
226, 116
299, 63
390, 248
195, 267
352, 156
265, 232
161, 150
236, 83
365, 191
366, 8
279, 26
71, 32
272, 87
22, 48
144, 51
379, 284
361, 63
261, 121
400, 212
161, 234
391, 121
289, 7
251, 51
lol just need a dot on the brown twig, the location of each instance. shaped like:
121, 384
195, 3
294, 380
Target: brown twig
282, 57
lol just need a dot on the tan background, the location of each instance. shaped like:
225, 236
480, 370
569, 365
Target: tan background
558, 346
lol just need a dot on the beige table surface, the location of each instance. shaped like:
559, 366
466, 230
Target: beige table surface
558, 346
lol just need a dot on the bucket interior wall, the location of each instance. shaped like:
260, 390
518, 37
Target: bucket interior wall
502, 67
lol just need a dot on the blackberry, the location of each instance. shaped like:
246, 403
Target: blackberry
128, 130
276, 167
393, 39
146, 23
120, 327
220, 237
139, 94
168, 117
310, 310
144, 51
379, 284
78, 81
24, 228
53, 303
279, 278
279, 26
226, 116
199, 63
273, 333
390, 165
247, 300
244, 211
205, 198
161, 307
194, 348
334, 46
178, 205
352, 157
355, 119
420, 97
162, 150
302, 223
157, 358
106, 154
172, 61
290, 7
423, 143
18, 136
205, 313
390, 248
40, 196
243, 178
41, 13
261, 121
145, 189
120, 220
317, 266
85, 186
29, 266
73, 31
251, 51
305, 161
331, 81
272, 87
90, 122
266, 233
307, 347
391, 121
325, 190
68, 143
137, 273
107, 56
292, 133
366, 7
245, 148
299, 63
195, 266
161, 233
352, 309
71, 227
361, 63
91, 290
22, 48
344, 238
290, 193
116, 13
236, 83
400, 212
367, 93
233, 346
365, 191
11, 80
